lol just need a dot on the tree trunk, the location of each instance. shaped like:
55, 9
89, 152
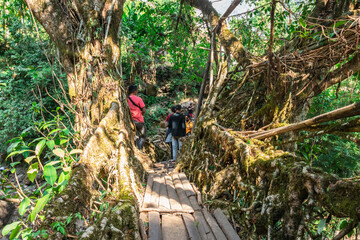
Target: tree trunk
87, 34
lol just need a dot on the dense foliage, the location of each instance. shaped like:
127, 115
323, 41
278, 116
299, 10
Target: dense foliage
164, 44
29, 73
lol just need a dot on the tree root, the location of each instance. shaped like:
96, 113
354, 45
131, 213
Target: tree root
273, 192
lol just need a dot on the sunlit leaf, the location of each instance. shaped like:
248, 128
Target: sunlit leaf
23, 206
59, 152
50, 174
8, 228
33, 171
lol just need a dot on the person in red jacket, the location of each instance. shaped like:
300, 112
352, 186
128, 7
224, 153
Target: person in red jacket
137, 109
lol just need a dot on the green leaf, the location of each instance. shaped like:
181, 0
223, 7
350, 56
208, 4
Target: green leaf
48, 124
66, 131
339, 23
75, 151
63, 177
321, 226
302, 23
59, 152
17, 152
13, 146
343, 224
54, 131
28, 159
15, 233
33, 171
25, 233
14, 164
50, 174
50, 144
8, 228
23, 206
39, 206
39, 147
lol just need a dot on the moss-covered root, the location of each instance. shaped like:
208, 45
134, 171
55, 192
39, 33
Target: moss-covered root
118, 222
272, 193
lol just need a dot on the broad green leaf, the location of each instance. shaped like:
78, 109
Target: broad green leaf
13, 146
39, 147
23, 206
33, 171
50, 174
50, 144
15, 233
75, 151
17, 152
28, 159
321, 226
39, 206
8, 228
59, 152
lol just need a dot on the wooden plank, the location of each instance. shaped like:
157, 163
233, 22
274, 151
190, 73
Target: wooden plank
154, 203
173, 197
185, 203
187, 186
218, 233
198, 194
202, 226
191, 227
194, 203
142, 226
154, 226
164, 198
147, 197
173, 228
159, 210
225, 225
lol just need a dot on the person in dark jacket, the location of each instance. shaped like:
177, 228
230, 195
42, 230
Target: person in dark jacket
178, 129
168, 135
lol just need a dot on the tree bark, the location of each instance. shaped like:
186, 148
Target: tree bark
87, 34
88, 38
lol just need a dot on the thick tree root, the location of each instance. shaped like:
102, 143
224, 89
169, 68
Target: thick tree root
111, 164
271, 193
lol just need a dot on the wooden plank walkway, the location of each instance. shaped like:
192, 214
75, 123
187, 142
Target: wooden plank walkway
172, 210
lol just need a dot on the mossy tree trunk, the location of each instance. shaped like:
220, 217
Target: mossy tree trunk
87, 34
